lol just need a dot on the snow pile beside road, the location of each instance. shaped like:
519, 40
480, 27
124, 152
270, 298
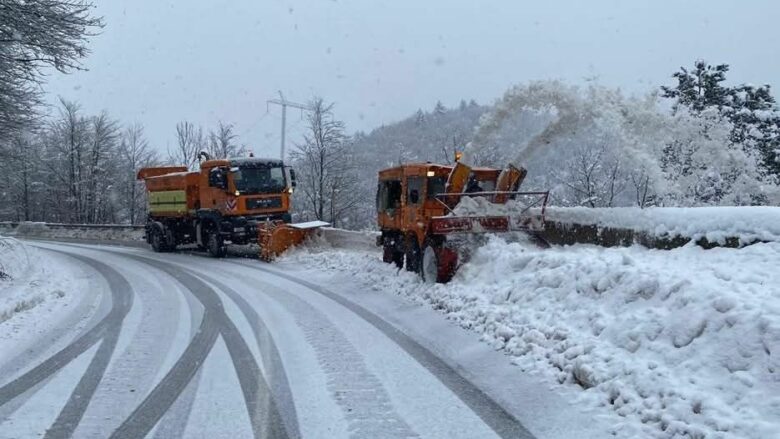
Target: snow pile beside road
754, 223
90, 232
680, 343
26, 281
14, 259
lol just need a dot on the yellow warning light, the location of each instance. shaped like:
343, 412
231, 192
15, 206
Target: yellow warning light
458, 155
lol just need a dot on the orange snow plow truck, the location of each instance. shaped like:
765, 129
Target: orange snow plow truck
237, 200
428, 213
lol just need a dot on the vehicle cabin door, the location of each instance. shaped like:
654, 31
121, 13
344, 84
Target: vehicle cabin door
214, 189
389, 198
414, 197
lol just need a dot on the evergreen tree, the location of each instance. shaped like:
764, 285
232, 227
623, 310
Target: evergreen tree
439, 109
751, 111
419, 118
699, 88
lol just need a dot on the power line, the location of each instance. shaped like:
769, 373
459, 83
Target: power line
285, 103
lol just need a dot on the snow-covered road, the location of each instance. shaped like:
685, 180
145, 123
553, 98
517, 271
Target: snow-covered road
181, 345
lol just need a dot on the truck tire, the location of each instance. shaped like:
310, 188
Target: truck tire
413, 256
398, 259
391, 256
429, 265
438, 263
158, 241
216, 246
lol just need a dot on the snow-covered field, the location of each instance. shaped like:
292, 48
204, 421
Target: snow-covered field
680, 343
36, 292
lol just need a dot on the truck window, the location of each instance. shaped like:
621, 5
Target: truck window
414, 190
436, 186
388, 195
259, 179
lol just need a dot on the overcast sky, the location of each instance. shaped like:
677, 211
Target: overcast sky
159, 61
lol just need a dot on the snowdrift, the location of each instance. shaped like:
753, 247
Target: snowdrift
679, 343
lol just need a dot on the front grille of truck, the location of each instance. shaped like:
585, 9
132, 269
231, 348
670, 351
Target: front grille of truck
264, 203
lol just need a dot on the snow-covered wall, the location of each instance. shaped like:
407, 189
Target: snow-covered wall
715, 224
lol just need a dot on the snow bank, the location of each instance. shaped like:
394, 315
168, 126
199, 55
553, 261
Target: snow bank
716, 224
27, 280
100, 232
680, 343
14, 259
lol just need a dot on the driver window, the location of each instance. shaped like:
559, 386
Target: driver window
413, 189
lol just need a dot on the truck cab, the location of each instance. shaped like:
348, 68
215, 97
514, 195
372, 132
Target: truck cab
408, 196
256, 188
237, 194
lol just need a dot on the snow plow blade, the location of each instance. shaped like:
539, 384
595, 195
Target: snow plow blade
275, 238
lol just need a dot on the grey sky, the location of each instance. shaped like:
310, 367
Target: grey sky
160, 61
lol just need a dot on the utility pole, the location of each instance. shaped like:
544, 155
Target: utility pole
285, 103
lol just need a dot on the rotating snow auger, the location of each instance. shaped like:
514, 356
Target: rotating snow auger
426, 211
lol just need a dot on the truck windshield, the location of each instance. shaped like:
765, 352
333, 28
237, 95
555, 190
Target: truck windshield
259, 180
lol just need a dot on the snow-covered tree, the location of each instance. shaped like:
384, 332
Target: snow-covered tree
134, 153
700, 87
752, 111
328, 185
35, 35
439, 109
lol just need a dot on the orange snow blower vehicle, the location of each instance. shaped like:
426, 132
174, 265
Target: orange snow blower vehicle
423, 222
238, 201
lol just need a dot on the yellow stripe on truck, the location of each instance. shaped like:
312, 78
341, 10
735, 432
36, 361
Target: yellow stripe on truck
168, 201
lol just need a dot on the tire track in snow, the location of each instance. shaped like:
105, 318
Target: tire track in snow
107, 330
261, 407
279, 388
270, 357
363, 399
494, 415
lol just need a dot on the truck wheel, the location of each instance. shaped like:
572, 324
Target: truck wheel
413, 256
158, 241
387, 254
429, 269
438, 263
216, 246
398, 259
391, 256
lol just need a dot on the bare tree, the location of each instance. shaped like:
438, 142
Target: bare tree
222, 142
328, 184
34, 35
135, 154
19, 167
189, 143
68, 139
593, 176
105, 133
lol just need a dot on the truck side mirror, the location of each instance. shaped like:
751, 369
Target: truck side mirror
292, 177
218, 178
